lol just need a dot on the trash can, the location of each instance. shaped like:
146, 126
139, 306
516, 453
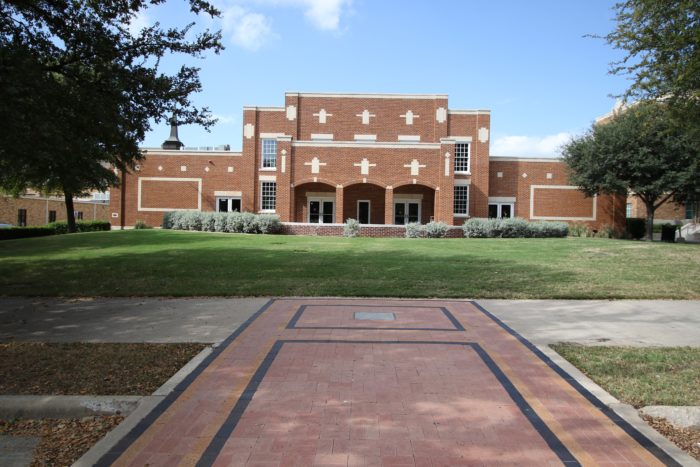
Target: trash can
668, 233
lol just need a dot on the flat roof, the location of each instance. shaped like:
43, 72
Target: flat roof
366, 95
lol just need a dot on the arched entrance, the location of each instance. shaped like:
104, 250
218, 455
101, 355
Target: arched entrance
364, 202
413, 203
314, 203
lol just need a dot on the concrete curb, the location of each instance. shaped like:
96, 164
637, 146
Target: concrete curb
625, 411
145, 406
28, 407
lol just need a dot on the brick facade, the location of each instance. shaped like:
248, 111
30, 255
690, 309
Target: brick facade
39, 210
667, 212
336, 156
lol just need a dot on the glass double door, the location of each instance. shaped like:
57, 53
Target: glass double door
406, 212
321, 212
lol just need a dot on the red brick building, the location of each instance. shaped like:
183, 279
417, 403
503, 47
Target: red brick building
379, 158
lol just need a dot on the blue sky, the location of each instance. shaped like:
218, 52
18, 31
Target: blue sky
527, 61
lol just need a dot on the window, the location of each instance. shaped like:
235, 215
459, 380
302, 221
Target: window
22, 217
52, 216
689, 211
321, 211
79, 215
462, 157
461, 199
628, 210
228, 204
268, 196
501, 210
269, 153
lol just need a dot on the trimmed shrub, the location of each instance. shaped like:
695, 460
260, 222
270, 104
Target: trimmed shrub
513, 228
635, 227
268, 224
516, 227
81, 226
141, 225
577, 229
414, 230
221, 222
58, 227
14, 233
352, 228
478, 228
167, 220
234, 222
208, 220
249, 222
605, 231
436, 229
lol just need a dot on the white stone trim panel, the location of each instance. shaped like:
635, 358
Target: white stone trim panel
169, 179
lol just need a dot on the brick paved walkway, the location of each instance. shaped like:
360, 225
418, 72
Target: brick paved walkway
425, 383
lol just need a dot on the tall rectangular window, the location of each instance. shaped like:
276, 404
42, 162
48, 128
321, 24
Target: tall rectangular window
52, 216
22, 217
269, 153
78, 215
461, 199
268, 197
628, 210
462, 157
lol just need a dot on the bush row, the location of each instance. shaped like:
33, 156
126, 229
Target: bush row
234, 222
513, 228
429, 230
54, 228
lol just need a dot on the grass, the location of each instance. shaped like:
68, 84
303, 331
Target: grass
640, 376
172, 263
95, 369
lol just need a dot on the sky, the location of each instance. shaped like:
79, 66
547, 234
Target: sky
529, 62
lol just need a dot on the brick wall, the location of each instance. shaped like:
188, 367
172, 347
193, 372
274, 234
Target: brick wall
515, 178
38, 210
668, 211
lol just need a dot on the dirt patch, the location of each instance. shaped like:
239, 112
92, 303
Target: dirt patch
685, 438
63, 441
31, 368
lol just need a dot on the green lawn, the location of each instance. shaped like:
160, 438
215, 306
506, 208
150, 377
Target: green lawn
641, 376
172, 263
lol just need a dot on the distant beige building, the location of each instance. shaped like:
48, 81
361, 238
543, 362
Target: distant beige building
34, 209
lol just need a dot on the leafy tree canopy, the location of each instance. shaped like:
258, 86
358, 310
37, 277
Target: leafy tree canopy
640, 150
79, 89
661, 39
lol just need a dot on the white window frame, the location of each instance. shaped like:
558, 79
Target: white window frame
469, 158
262, 196
229, 198
321, 200
263, 143
369, 210
461, 214
499, 209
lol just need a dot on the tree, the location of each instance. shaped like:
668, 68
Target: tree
640, 150
79, 90
661, 41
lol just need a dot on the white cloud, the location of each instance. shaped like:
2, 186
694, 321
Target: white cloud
545, 146
138, 22
323, 14
247, 29
224, 119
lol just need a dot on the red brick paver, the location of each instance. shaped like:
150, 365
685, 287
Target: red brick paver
304, 383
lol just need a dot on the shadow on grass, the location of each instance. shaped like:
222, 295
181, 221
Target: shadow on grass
250, 271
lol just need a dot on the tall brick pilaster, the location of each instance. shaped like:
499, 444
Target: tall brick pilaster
285, 193
444, 196
389, 205
339, 201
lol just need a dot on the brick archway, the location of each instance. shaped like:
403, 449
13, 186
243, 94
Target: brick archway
372, 193
418, 192
304, 191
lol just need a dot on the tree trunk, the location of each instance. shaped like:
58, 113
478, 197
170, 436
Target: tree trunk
650, 220
70, 211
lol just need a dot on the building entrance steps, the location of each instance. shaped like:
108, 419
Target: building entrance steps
303, 382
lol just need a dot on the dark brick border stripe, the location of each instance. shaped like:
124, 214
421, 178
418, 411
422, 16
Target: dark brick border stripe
113, 454
217, 443
302, 308
645, 442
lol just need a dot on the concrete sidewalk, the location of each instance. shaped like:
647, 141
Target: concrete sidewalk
209, 320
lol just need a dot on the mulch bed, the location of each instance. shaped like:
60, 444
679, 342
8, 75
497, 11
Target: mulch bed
35, 368
685, 438
63, 441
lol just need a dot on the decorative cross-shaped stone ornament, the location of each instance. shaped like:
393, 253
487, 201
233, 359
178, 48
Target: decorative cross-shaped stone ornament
365, 116
415, 167
322, 115
409, 116
315, 165
364, 166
